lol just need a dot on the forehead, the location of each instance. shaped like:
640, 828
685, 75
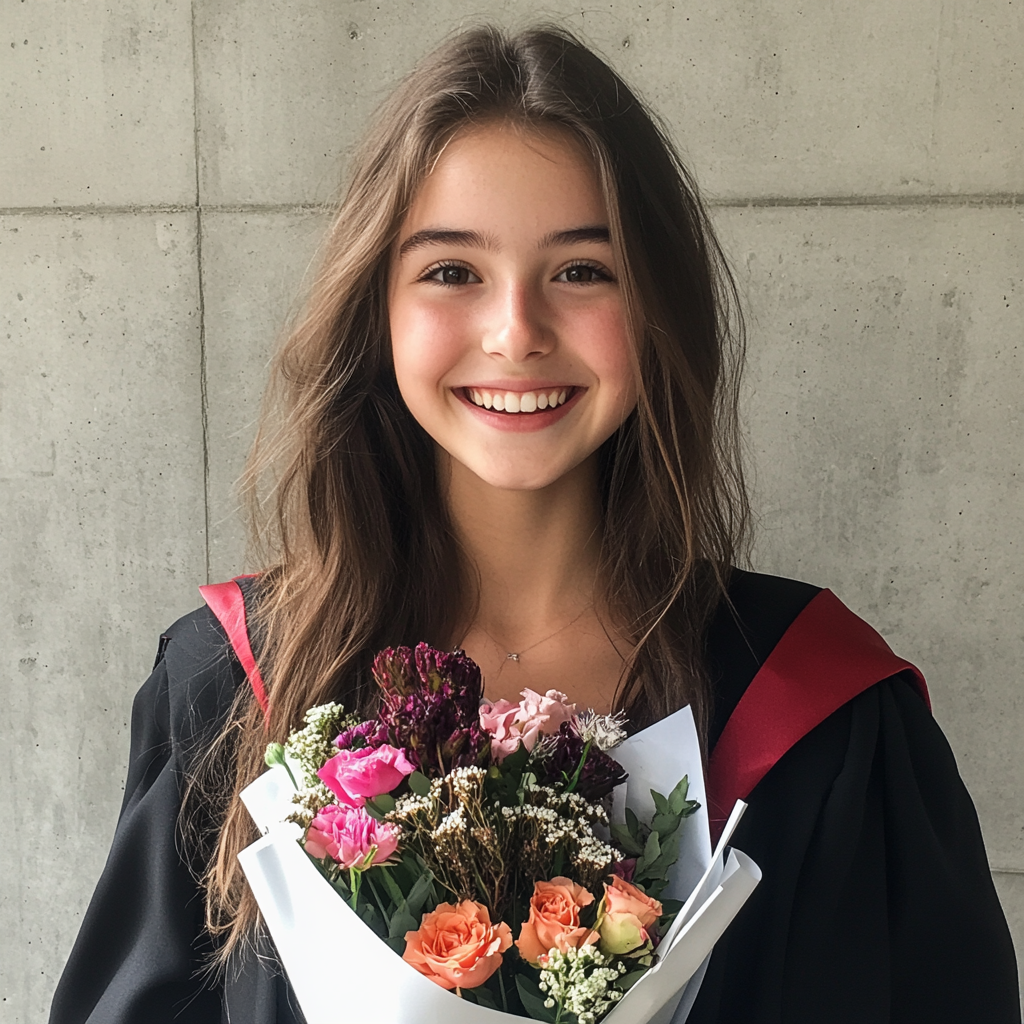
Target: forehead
509, 180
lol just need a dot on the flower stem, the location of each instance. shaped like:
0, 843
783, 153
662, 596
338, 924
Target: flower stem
579, 768
355, 881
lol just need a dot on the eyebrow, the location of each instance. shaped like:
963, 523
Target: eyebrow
444, 236
474, 239
576, 236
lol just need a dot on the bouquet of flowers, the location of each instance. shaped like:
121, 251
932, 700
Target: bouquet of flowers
450, 848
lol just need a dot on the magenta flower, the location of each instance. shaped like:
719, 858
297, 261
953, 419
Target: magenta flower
351, 837
354, 776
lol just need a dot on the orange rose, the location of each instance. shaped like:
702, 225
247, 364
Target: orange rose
624, 917
554, 921
457, 947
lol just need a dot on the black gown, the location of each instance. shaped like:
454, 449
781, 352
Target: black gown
877, 904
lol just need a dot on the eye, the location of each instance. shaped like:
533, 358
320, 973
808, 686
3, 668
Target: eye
582, 273
451, 275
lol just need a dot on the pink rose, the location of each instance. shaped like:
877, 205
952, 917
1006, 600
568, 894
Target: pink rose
354, 776
550, 711
510, 724
349, 836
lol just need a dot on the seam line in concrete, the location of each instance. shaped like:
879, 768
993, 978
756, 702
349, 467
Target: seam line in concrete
994, 199
1005, 871
203, 388
951, 199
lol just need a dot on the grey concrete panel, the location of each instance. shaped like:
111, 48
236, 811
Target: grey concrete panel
1011, 894
886, 424
767, 99
253, 267
102, 545
97, 103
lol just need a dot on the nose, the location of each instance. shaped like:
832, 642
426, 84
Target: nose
518, 327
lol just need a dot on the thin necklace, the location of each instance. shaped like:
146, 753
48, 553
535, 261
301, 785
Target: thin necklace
516, 655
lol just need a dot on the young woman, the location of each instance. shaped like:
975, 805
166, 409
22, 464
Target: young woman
506, 423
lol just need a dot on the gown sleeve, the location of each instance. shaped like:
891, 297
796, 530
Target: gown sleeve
877, 903
140, 949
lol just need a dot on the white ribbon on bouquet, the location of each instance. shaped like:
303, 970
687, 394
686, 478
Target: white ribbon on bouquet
342, 973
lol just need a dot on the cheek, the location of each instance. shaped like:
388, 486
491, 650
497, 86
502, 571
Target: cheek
603, 342
425, 345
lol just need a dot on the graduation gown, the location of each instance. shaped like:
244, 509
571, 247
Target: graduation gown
876, 905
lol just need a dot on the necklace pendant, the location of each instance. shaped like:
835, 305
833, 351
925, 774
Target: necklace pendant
511, 656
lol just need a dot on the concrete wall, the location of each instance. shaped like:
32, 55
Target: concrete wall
160, 167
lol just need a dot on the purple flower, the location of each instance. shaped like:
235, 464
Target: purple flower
600, 774
430, 708
357, 737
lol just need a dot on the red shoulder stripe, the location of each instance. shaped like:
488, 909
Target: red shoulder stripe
826, 658
227, 603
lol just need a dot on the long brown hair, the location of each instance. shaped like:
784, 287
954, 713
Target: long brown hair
347, 511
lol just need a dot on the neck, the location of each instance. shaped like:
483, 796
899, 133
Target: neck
532, 556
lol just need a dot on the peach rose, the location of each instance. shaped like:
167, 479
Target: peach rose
554, 921
457, 947
625, 917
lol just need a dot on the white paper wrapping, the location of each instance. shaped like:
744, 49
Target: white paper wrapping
343, 974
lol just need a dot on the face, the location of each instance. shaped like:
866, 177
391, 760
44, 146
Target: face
507, 325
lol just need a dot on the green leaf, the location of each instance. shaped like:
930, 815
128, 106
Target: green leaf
516, 761
401, 922
678, 802
385, 803
661, 805
395, 893
419, 784
481, 997
627, 981
625, 842
677, 798
632, 823
665, 824
419, 893
651, 853
533, 1000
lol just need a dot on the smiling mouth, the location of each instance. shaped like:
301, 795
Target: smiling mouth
520, 401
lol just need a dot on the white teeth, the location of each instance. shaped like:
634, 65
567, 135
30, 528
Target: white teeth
515, 401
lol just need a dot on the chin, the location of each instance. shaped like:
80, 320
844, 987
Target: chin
517, 478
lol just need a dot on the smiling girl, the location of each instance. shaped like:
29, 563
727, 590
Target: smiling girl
506, 423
